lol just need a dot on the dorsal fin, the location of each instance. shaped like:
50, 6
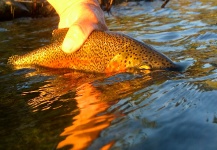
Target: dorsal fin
59, 34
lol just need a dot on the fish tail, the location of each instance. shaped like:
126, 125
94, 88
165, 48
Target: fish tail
13, 60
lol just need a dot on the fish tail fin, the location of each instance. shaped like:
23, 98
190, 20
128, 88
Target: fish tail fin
13, 59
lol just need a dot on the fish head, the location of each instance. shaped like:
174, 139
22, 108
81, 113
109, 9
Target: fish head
140, 56
123, 62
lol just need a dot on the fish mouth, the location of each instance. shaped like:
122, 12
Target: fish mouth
181, 66
144, 67
177, 66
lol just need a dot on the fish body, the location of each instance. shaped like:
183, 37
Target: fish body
103, 52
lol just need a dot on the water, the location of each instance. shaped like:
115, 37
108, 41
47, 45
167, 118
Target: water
60, 109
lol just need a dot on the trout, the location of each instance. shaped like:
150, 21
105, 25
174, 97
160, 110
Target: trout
102, 52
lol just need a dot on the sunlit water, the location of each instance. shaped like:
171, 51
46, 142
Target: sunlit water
61, 109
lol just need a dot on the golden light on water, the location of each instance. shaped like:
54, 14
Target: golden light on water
88, 123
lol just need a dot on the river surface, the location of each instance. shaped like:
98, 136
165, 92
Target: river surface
159, 110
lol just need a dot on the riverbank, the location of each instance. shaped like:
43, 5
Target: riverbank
10, 9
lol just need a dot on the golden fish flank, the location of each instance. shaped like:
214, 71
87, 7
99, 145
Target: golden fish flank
102, 52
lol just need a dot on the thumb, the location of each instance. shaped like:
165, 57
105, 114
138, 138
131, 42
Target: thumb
74, 38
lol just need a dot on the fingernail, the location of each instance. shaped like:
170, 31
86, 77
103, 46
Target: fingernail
67, 46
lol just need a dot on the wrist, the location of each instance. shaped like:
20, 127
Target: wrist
61, 5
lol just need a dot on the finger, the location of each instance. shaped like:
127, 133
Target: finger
80, 30
75, 37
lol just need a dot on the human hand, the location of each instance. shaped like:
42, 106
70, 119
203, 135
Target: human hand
81, 17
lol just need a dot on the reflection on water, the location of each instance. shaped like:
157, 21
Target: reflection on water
88, 123
61, 109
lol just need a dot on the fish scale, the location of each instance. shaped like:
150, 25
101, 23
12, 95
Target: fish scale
103, 51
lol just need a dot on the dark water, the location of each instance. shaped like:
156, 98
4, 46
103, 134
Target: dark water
61, 109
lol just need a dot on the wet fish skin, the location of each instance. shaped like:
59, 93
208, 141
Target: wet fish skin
103, 52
